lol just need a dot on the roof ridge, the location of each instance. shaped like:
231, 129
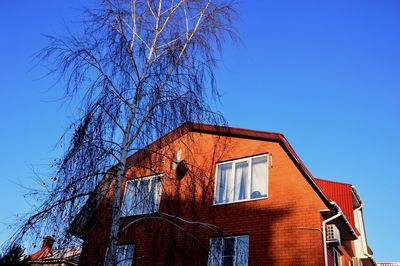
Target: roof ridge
195, 124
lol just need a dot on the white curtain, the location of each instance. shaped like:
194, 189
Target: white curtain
224, 183
259, 177
156, 197
241, 181
142, 196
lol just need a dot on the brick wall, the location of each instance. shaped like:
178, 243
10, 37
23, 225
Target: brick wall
282, 229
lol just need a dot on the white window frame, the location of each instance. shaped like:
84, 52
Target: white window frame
218, 258
141, 179
234, 162
337, 257
127, 261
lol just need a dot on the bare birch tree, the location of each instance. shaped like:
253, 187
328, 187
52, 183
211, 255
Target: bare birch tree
140, 68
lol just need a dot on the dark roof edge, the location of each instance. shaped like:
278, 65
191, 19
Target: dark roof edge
354, 190
353, 232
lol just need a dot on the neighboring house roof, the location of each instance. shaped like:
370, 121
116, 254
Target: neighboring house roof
68, 255
342, 194
185, 128
46, 250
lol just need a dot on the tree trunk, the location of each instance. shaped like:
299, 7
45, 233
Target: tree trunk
111, 258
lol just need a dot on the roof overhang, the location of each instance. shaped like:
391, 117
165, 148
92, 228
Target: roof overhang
357, 202
347, 232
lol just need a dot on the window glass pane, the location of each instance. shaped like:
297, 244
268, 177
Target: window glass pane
139, 202
127, 204
156, 193
337, 261
227, 261
229, 247
241, 180
148, 196
229, 251
224, 184
242, 250
142, 196
215, 254
259, 177
125, 255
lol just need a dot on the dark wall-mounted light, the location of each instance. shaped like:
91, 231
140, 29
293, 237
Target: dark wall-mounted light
181, 169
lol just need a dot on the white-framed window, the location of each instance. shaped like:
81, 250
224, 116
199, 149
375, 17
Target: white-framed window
242, 179
229, 251
142, 195
337, 257
125, 254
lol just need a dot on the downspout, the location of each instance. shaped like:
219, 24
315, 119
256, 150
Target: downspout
324, 233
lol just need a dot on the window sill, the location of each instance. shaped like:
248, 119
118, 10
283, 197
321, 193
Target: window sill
138, 215
239, 201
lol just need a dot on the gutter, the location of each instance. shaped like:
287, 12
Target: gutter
345, 219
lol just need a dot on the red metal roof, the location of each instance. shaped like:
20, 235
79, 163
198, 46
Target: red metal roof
342, 194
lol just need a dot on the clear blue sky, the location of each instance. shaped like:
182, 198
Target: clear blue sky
324, 73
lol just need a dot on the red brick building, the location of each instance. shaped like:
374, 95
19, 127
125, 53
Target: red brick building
215, 195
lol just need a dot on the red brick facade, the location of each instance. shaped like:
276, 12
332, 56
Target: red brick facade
283, 229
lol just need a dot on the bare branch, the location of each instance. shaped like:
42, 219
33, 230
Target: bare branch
140, 69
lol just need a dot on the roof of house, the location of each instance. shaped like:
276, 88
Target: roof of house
229, 132
46, 249
47, 253
342, 194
